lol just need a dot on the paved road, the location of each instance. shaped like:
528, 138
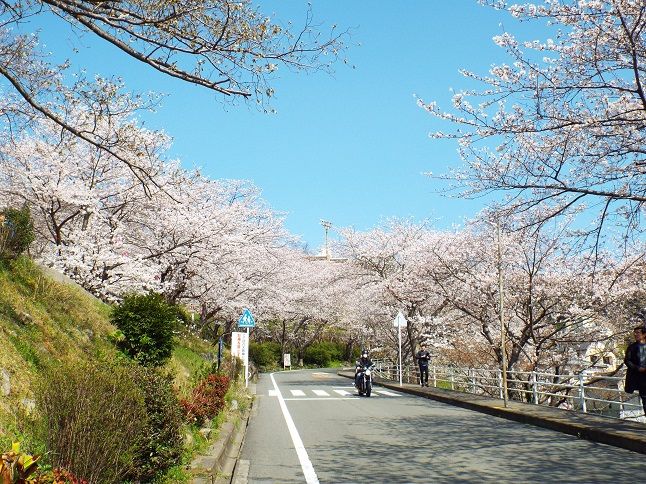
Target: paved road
309, 426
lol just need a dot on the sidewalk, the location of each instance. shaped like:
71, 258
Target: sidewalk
218, 464
605, 430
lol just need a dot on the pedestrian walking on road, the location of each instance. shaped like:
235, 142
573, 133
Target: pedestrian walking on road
635, 360
423, 358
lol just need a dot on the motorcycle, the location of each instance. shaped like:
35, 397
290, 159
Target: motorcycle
364, 380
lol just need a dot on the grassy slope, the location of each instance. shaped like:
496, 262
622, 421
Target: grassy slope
43, 320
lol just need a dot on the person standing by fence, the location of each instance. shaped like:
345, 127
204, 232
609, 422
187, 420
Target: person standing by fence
423, 358
635, 360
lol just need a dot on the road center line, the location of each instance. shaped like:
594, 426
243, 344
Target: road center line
306, 464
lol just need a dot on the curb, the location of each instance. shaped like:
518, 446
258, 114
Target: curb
604, 430
216, 467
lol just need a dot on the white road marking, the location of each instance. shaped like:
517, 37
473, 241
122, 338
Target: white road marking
319, 374
390, 394
343, 394
306, 464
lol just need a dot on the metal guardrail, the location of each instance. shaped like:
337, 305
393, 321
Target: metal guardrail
584, 392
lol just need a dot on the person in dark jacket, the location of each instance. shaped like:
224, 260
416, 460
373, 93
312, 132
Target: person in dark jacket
423, 358
363, 362
635, 360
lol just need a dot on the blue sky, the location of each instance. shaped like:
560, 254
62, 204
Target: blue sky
350, 148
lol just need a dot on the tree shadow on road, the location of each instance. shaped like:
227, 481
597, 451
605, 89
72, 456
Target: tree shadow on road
442, 444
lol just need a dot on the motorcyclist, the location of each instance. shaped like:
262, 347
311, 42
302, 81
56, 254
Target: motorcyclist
362, 363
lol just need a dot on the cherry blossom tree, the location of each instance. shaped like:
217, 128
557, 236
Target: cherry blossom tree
559, 127
81, 197
229, 47
302, 302
553, 301
392, 258
367, 315
186, 236
554, 305
242, 251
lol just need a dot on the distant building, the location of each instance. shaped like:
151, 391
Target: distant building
326, 254
595, 357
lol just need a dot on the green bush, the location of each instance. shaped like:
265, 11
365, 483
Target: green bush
265, 355
162, 443
323, 353
16, 231
147, 323
95, 418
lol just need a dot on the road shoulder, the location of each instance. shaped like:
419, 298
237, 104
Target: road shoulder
218, 465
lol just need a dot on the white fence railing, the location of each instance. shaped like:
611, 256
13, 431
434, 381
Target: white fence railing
585, 392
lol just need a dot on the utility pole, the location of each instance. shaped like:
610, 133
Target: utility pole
326, 225
503, 331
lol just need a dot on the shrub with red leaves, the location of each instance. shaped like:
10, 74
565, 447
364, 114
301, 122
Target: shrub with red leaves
64, 476
207, 400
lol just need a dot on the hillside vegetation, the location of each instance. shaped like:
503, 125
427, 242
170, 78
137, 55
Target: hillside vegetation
47, 324
41, 321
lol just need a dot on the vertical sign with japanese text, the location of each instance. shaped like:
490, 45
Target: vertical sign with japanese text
239, 345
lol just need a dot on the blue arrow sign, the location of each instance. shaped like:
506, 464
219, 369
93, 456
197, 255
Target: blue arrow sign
246, 320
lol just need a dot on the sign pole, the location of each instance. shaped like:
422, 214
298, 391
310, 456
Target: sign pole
246, 361
220, 343
400, 321
246, 321
399, 333
503, 336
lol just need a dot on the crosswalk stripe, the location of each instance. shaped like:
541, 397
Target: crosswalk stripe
340, 392
389, 394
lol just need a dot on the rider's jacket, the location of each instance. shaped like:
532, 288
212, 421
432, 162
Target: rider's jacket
364, 362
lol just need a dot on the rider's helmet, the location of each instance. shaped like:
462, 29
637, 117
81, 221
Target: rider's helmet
364, 353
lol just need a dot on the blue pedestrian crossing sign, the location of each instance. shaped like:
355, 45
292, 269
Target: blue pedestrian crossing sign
246, 320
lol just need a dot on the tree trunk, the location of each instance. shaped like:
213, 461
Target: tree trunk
283, 338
